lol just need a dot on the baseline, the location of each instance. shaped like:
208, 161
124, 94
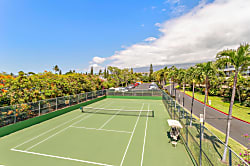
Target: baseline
60, 157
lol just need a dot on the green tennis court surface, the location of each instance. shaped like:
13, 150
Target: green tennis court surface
77, 138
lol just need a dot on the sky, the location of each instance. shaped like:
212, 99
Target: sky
77, 34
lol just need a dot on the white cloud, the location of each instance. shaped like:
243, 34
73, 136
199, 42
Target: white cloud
158, 24
153, 7
193, 37
98, 60
172, 1
163, 10
178, 10
149, 39
142, 25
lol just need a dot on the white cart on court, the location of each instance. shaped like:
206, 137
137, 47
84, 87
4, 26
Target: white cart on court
174, 132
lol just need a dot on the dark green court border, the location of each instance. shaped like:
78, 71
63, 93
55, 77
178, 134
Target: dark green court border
29, 122
137, 97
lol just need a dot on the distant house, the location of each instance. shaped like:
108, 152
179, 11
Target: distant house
229, 70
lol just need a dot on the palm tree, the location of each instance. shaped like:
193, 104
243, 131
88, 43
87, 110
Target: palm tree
240, 59
192, 75
208, 71
56, 68
172, 75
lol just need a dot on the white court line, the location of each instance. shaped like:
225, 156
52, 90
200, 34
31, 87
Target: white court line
131, 136
50, 130
59, 157
118, 131
60, 131
144, 139
108, 120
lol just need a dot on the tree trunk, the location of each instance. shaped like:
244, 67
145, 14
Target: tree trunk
238, 90
192, 105
230, 117
205, 106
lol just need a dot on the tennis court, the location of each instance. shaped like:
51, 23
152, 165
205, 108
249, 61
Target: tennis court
98, 138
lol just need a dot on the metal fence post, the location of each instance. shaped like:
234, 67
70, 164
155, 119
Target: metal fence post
39, 108
200, 146
230, 157
15, 114
170, 107
56, 103
186, 129
78, 99
201, 136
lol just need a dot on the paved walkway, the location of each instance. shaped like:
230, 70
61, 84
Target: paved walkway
143, 86
216, 119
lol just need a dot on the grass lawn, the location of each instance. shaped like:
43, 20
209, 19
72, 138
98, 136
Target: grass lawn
239, 111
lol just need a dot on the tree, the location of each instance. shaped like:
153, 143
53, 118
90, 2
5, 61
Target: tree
56, 68
21, 73
31, 73
132, 71
182, 77
171, 75
60, 72
92, 71
105, 73
240, 59
208, 71
100, 72
192, 77
151, 72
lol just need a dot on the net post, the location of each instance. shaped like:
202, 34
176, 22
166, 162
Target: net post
92, 95
153, 113
78, 98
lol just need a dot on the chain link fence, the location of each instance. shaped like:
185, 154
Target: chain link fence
206, 150
133, 92
15, 113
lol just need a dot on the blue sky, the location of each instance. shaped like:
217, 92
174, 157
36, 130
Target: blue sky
35, 35
76, 34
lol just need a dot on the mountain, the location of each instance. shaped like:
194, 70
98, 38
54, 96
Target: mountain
158, 67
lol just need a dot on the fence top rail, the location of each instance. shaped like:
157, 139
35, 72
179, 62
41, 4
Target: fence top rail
37, 102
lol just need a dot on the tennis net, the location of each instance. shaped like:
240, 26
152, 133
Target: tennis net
143, 113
